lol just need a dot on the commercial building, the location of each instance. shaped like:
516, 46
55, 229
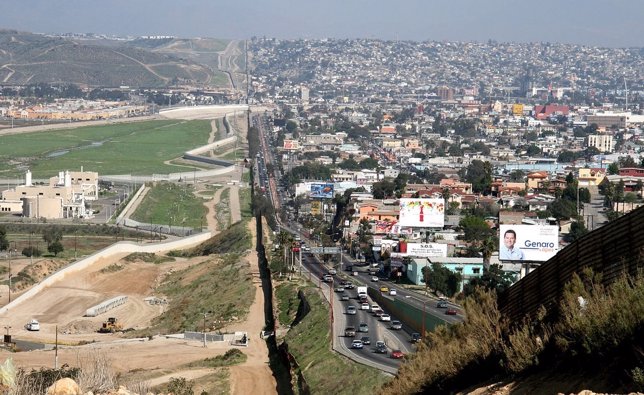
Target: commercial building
603, 142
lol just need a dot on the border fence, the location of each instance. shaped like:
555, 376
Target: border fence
612, 250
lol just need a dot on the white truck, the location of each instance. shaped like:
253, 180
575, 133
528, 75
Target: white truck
362, 291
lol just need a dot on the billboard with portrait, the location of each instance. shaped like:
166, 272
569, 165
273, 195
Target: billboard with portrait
528, 242
323, 191
422, 213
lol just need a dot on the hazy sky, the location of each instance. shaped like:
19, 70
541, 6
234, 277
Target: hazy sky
614, 23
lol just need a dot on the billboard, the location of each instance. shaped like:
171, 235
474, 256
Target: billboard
426, 249
316, 207
291, 145
422, 213
528, 242
383, 227
324, 191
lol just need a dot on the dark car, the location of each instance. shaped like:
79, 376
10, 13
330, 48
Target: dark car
415, 337
381, 348
451, 311
441, 304
350, 331
365, 340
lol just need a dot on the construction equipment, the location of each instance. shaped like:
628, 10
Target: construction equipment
110, 326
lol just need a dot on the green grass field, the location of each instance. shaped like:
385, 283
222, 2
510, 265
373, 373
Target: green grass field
127, 148
171, 204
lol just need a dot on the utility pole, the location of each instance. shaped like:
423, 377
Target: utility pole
204, 330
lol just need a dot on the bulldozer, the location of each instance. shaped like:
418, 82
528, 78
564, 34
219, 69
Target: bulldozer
110, 326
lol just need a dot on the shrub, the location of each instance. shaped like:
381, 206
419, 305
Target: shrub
31, 251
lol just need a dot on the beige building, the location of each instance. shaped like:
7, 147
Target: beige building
64, 197
603, 142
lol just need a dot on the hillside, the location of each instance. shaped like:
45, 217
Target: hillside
27, 58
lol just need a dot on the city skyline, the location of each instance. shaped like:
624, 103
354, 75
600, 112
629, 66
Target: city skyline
592, 22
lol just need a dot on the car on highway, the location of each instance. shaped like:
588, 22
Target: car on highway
364, 306
327, 278
441, 304
357, 344
339, 289
378, 314
365, 340
393, 292
397, 354
363, 328
374, 278
344, 297
384, 289
381, 347
396, 325
351, 310
350, 331
385, 317
349, 285
451, 311
333, 272
415, 337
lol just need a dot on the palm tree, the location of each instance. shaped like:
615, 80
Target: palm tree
488, 245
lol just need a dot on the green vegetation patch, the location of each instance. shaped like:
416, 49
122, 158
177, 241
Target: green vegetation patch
234, 356
114, 267
287, 302
310, 343
124, 148
245, 201
220, 287
606, 325
236, 239
222, 210
148, 257
172, 205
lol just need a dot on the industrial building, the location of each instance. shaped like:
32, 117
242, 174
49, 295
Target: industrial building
65, 196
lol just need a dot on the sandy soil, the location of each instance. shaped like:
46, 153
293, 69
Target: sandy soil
63, 305
254, 376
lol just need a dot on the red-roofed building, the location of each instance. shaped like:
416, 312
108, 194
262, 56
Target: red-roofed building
543, 112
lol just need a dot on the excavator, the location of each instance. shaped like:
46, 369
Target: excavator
110, 326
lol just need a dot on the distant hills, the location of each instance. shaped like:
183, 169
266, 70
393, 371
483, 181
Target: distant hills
27, 58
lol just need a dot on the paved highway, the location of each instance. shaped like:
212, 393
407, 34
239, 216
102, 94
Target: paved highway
377, 330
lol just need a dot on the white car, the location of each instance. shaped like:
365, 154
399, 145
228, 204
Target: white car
333, 272
364, 306
357, 344
392, 292
33, 325
385, 317
374, 278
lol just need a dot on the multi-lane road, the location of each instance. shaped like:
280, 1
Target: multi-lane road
395, 339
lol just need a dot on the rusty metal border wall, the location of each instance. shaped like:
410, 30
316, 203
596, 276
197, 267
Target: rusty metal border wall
612, 250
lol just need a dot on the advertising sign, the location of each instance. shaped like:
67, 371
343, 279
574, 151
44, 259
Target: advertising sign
383, 227
426, 249
316, 207
422, 213
291, 145
528, 242
324, 191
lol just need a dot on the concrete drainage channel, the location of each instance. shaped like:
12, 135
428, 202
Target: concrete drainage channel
278, 356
